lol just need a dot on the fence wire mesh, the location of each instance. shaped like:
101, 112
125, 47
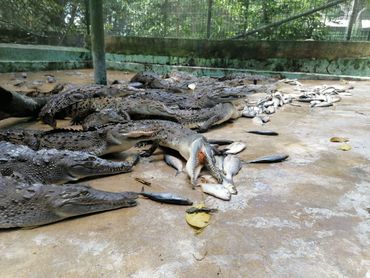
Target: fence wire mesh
65, 22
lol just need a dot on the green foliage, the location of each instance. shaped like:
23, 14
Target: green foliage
170, 18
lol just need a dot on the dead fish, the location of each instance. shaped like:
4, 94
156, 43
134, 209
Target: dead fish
204, 209
269, 158
216, 190
235, 148
207, 179
220, 142
324, 104
264, 132
174, 162
229, 185
219, 161
231, 166
168, 198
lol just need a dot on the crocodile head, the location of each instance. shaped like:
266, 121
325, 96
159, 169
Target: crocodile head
29, 205
80, 165
222, 95
201, 154
77, 200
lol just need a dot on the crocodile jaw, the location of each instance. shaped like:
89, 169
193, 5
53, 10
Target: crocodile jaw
44, 204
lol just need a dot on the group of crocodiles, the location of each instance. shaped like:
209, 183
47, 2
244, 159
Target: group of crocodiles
168, 112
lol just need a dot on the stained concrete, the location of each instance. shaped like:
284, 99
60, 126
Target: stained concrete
305, 217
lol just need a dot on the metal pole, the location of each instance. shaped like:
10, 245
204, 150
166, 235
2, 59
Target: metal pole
209, 17
87, 15
97, 41
352, 18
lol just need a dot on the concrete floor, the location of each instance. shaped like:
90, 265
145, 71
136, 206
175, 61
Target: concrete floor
305, 217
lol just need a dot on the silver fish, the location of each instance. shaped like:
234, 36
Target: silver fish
206, 179
235, 148
269, 158
216, 190
219, 161
324, 104
174, 162
168, 198
229, 185
232, 166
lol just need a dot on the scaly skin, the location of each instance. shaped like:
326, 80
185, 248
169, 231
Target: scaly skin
124, 108
192, 146
203, 119
57, 104
54, 166
30, 205
106, 139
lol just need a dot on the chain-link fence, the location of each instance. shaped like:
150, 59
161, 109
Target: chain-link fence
65, 22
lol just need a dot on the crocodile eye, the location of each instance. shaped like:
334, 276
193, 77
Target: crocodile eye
84, 193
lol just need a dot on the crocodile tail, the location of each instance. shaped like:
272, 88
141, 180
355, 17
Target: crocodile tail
18, 105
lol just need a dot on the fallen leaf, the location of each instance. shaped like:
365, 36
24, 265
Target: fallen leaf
198, 220
345, 147
339, 139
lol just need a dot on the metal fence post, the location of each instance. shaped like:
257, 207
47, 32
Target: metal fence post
97, 41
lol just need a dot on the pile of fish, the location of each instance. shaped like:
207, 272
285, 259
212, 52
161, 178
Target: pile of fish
318, 96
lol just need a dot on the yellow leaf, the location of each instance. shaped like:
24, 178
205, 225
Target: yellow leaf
339, 139
198, 220
345, 147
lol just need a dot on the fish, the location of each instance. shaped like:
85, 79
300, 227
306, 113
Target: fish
168, 198
231, 166
203, 209
216, 190
207, 179
229, 185
220, 142
264, 132
323, 104
174, 162
219, 161
235, 148
269, 158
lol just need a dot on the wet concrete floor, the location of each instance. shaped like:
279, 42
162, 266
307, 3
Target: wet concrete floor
305, 217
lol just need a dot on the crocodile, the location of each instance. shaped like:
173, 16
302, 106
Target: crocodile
107, 139
203, 119
56, 104
150, 103
192, 146
55, 166
120, 137
14, 104
30, 205
199, 119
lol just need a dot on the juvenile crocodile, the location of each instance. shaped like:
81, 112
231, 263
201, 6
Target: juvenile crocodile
192, 146
57, 104
126, 108
55, 166
106, 139
15, 104
30, 205
203, 119
153, 103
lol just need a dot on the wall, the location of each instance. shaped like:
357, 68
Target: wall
296, 59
